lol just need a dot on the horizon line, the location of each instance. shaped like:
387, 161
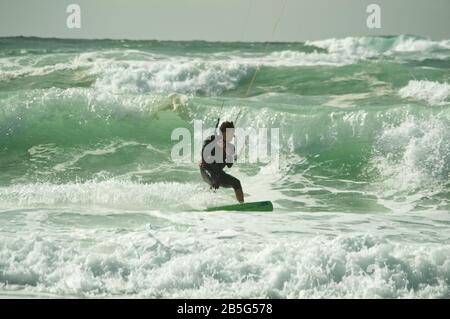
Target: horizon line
212, 41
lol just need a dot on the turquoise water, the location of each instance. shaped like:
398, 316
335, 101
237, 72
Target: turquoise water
92, 205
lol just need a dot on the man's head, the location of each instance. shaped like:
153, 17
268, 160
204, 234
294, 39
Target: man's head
227, 130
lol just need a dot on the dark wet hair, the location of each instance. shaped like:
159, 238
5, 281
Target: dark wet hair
225, 125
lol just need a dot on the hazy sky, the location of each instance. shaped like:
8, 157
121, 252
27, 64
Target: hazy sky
223, 20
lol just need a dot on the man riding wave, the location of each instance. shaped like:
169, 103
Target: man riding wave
218, 152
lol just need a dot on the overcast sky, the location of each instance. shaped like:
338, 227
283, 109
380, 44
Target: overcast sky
223, 20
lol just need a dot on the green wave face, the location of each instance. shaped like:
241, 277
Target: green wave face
364, 122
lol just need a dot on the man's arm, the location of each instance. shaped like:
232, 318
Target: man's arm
230, 155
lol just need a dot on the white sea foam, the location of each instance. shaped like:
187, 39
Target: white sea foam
134, 71
193, 262
37, 66
111, 193
412, 160
369, 47
124, 73
403, 44
168, 76
433, 92
349, 46
191, 75
296, 58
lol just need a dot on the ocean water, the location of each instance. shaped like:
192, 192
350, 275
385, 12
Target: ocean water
92, 205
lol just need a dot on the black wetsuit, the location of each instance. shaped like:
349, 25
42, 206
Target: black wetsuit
212, 170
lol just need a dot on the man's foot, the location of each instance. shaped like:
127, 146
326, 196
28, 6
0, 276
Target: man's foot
239, 195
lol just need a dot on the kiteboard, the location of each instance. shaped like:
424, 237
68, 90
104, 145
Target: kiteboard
264, 206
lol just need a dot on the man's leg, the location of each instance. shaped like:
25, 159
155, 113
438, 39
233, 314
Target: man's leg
206, 176
229, 181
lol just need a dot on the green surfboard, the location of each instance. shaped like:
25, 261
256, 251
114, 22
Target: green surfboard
265, 206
